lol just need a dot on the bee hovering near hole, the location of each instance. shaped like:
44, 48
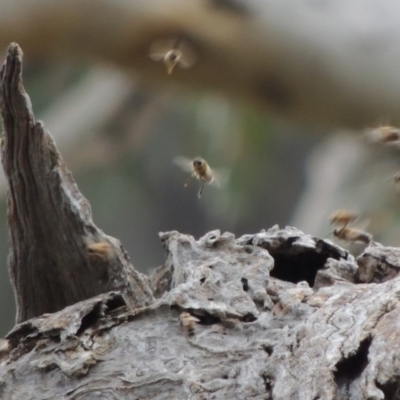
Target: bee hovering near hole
396, 178
395, 181
352, 235
342, 218
188, 323
200, 170
173, 52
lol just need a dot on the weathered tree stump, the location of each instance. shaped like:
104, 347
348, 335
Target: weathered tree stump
57, 255
275, 315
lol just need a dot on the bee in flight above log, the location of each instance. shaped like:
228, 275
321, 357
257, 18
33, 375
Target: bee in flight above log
352, 235
384, 135
342, 218
173, 52
199, 169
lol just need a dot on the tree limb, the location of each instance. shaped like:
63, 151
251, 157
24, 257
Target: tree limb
330, 64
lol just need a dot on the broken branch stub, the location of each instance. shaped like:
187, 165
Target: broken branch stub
57, 254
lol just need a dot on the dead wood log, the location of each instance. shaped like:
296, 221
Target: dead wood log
257, 336
57, 254
276, 315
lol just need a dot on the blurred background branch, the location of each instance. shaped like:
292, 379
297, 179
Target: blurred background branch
271, 80
331, 62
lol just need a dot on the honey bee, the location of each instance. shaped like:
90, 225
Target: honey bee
200, 170
188, 323
4, 348
103, 251
343, 217
172, 53
384, 134
396, 178
352, 235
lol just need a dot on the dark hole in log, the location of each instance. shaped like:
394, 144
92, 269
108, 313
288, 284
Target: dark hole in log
352, 367
204, 318
248, 318
245, 284
390, 389
300, 265
268, 349
202, 280
115, 301
90, 319
21, 331
268, 380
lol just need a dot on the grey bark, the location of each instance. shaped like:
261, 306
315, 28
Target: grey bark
52, 260
276, 315
325, 335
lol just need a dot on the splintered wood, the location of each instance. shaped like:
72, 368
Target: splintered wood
58, 256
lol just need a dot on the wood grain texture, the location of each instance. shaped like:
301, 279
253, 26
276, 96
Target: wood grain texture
52, 262
266, 339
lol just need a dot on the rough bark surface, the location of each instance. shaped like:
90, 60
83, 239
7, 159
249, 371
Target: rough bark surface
53, 260
257, 336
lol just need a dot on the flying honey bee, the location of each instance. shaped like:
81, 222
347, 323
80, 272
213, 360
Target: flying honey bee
384, 134
188, 323
200, 170
343, 217
396, 178
352, 235
172, 52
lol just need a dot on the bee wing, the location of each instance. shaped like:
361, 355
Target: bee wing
156, 56
164, 45
221, 177
184, 163
395, 179
159, 48
188, 58
183, 63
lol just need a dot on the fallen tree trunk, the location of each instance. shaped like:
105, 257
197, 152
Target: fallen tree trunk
275, 315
